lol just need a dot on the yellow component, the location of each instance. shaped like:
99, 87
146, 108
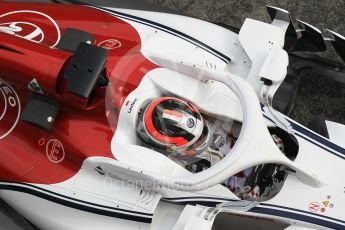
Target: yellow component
325, 203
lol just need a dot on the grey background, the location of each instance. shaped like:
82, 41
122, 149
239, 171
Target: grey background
321, 13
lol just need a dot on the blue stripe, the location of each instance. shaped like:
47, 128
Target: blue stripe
207, 201
316, 217
62, 200
77, 200
169, 30
200, 197
320, 146
316, 139
295, 216
297, 210
268, 118
312, 219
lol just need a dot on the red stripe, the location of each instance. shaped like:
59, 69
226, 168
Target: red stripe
173, 113
178, 141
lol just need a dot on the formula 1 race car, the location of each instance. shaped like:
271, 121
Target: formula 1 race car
115, 118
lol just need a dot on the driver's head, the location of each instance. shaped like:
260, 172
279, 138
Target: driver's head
176, 126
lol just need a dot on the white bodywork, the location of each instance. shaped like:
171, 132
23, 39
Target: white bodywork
257, 52
336, 132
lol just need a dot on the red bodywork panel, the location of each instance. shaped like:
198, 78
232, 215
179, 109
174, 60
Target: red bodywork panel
27, 33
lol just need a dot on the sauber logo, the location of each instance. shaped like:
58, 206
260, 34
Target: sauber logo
9, 109
31, 25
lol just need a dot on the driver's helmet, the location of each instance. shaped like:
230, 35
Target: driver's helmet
175, 126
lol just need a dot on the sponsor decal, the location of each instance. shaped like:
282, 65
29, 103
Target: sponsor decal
100, 171
132, 106
34, 86
325, 203
252, 217
321, 206
55, 151
31, 25
112, 176
9, 109
314, 207
110, 44
190, 123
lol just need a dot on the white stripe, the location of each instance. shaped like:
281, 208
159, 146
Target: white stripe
301, 212
5, 101
77, 202
19, 111
215, 200
309, 138
319, 143
163, 29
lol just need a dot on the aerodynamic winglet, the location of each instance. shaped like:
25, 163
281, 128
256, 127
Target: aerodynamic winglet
338, 43
276, 13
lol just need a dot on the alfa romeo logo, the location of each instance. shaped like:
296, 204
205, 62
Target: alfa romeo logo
9, 109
